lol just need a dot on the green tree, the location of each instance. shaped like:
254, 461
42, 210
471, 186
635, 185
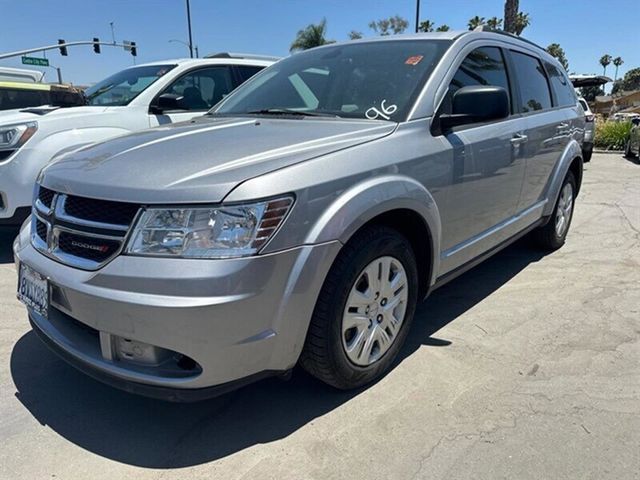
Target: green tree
511, 8
495, 23
311, 36
426, 26
387, 26
355, 35
443, 28
605, 60
630, 81
475, 22
617, 62
555, 50
590, 93
522, 22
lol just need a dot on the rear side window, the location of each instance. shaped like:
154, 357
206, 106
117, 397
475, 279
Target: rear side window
247, 71
483, 66
532, 80
562, 89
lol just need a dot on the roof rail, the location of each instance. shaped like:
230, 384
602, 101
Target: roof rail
248, 56
485, 28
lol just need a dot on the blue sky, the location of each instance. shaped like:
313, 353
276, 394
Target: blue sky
585, 29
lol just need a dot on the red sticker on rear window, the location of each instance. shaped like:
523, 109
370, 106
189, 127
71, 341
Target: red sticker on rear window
414, 60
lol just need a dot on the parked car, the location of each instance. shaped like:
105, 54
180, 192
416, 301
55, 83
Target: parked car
24, 75
632, 148
589, 130
133, 99
17, 95
302, 219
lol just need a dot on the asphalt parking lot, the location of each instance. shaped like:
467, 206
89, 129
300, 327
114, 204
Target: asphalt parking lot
526, 367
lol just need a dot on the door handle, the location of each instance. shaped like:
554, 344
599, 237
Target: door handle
563, 127
519, 138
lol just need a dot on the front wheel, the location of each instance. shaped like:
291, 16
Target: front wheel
553, 235
627, 150
364, 310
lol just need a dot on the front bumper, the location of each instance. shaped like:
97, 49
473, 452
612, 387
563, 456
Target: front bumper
17, 176
237, 319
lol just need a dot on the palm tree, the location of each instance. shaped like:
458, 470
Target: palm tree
511, 8
312, 36
426, 26
475, 22
522, 22
555, 50
605, 60
443, 28
494, 23
617, 62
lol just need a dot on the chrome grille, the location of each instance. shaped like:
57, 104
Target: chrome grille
81, 232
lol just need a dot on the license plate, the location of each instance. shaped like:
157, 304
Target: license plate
33, 290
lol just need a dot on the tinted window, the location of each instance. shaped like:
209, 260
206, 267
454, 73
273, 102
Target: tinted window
534, 88
124, 86
247, 71
18, 98
483, 66
203, 88
562, 89
374, 80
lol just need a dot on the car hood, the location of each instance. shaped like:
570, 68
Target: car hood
201, 160
45, 114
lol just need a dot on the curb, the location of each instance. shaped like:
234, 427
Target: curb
610, 152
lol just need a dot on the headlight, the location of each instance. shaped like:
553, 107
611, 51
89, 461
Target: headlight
14, 136
205, 232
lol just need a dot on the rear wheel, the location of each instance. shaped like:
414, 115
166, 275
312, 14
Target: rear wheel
587, 154
364, 310
552, 235
627, 150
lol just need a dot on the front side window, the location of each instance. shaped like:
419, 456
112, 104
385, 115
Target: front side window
483, 66
563, 90
203, 88
124, 86
532, 80
368, 80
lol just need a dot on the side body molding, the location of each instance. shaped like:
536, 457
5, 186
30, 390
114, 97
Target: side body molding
372, 197
571, 152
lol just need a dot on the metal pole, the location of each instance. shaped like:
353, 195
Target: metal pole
417, 15
59, 74
197, 54
113, 34
189, 24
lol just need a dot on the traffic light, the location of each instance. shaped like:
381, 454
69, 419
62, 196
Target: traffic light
96, 45
134, 51
63, 50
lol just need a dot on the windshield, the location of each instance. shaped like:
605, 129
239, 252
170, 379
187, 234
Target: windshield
124, 86
373, 80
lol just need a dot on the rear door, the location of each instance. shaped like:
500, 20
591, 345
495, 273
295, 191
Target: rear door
548, 126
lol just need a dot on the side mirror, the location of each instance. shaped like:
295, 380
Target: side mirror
168, 101
476, 104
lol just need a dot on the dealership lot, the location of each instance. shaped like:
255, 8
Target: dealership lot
525, 367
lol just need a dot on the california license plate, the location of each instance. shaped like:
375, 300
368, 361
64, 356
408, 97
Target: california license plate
33, 290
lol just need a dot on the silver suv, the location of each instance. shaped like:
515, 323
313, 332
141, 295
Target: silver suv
303, 218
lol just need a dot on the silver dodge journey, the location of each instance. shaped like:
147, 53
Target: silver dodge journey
303, 218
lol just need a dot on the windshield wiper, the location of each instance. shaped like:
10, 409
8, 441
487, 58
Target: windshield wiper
287, 111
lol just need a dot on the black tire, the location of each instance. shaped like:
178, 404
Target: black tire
323, 355
547, 236
627, 150
587, 154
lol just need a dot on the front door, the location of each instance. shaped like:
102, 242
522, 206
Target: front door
487, 164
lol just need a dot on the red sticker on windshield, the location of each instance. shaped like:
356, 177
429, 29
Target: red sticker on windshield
414, 60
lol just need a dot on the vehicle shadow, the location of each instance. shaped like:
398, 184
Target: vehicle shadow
154, 434
6, 244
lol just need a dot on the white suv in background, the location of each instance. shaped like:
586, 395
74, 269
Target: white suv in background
589, 130
136, 98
